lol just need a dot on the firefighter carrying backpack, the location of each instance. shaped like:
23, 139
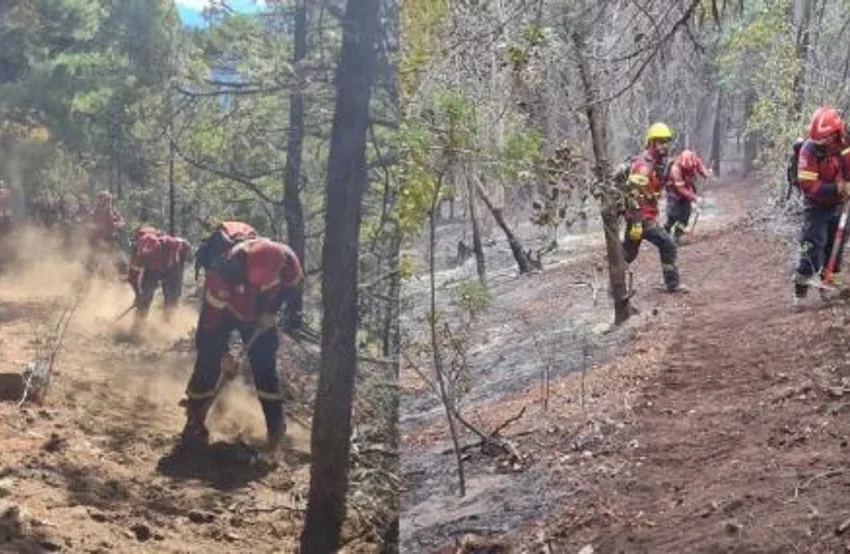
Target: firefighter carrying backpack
622, 171
793, 166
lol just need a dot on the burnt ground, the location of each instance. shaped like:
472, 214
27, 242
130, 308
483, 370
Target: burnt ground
713, 422
94, 469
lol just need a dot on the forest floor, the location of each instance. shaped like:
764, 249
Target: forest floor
715, 421
94, 468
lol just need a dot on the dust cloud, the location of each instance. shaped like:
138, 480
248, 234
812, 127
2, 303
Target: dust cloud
146, 368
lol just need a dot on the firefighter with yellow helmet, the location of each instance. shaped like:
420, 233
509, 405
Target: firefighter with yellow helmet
645, 184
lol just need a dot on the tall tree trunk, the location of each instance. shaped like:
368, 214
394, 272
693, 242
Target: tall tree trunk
520, 256
172, 193
717, 135
392, 329
703, 124
609, 213
346, 182
292, 209
803, 15
477, 247
750, 138
446, 397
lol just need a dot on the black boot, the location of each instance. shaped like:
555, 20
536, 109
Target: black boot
139, 317
195, 432
671, 279
275, 423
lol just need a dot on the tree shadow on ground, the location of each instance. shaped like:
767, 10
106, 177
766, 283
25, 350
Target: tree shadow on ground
223, 466
87, 486
137, 427
34, 542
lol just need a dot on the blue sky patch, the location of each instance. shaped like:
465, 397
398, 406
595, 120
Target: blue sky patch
190, 10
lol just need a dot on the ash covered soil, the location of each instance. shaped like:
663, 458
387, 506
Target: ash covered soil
92, 470
715, 421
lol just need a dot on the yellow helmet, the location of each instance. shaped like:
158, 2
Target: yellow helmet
658, 131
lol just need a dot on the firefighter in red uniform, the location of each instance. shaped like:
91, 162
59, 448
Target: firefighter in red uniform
823, 172
105, 223
243, 291
646, 179
83, 208
682, 191
157, 259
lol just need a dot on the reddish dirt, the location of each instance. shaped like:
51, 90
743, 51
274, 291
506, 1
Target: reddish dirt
723, 426
735, 438
92, 469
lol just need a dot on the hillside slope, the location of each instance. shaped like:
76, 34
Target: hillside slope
93, 469
720, 424
734, 435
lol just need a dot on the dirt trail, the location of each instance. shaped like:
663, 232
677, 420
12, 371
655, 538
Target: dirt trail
721, 427
91, 469
534, 321
727, 425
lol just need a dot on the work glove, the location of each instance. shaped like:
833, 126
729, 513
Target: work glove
636, 231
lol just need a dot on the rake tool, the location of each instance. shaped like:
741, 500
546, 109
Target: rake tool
127, 311
230, 370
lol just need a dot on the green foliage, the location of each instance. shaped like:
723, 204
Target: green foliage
455, 121
92, 74
517, 57
418, 186
420, 21
429, 152
758, 56
535, 35
531, 39
405, 267
522, 156
473, 297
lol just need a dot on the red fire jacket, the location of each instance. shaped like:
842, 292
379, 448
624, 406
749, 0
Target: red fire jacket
268, 270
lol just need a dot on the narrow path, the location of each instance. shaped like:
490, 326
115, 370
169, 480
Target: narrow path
739, 441
535, 321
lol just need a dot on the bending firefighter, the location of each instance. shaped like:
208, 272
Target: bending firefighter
645, 184
106, 221
822, 173
682, 191
157, 259
243, 290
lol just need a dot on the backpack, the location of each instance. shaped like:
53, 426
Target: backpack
221, 241
791, 168
621, 175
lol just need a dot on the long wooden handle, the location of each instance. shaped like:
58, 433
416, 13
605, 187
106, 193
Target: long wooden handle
836, 244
